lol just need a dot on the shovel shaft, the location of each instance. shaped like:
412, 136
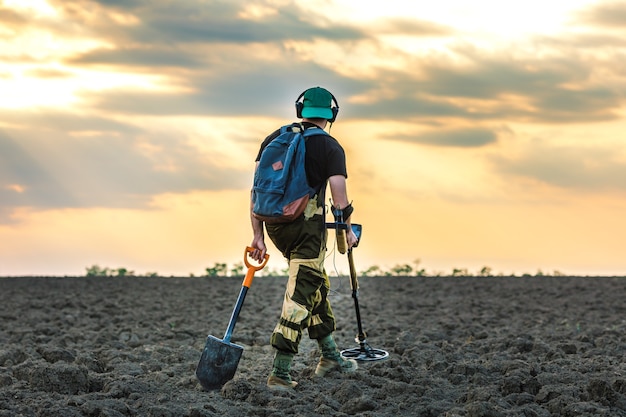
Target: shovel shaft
247, 282
235, 315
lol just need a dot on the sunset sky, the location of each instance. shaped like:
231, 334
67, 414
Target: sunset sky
482, 133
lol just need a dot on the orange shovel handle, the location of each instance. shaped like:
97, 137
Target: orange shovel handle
247, 282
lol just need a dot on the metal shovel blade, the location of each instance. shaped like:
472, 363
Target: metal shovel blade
218, 363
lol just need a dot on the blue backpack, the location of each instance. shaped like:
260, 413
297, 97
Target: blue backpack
281, 191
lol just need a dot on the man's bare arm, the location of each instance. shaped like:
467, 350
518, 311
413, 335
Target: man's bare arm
339, 194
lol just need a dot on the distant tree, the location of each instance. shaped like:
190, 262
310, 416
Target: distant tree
420, 272
485, 271
97, 271
460, 272
237, 269
373, 270
122, 272
219, 269
402, 270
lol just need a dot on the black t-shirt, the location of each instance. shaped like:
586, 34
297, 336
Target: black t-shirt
324, 157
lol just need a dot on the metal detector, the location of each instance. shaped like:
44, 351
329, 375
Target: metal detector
364, 352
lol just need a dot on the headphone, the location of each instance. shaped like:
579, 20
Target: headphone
300, 105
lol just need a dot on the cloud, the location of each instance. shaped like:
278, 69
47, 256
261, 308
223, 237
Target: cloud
554, 91
263, 89
176, 23
237, 59
462, 138
50, 73
225, 60
491, 88
406, 26
11, 19
604, 15
138, 57
25, 182
596, 42
57, 169
52, 122
593, 168
559, 90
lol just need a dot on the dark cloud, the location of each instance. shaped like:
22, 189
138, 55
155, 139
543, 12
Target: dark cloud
265, 89
35, 185
229, 29
559, 90
176, 23
573, 105
408, 103
486, 78
52, 169
460, 138
582, 168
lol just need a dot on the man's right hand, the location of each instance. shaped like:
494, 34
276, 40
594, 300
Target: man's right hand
351, 238
258, 254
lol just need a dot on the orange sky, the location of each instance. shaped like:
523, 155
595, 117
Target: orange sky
488, 135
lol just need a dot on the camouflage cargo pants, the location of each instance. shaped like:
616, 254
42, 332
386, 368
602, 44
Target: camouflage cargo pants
306, 304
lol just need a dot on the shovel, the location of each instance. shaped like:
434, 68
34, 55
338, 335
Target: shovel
220, 358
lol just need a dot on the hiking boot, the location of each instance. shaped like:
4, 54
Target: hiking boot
326, 365
278, 384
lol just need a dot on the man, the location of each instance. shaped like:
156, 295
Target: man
303, 243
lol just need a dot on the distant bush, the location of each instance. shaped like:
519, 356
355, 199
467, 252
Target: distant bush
221, 269
97, 271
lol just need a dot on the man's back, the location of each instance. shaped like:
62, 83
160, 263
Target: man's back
324, 158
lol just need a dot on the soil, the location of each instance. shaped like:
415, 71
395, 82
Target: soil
458, 346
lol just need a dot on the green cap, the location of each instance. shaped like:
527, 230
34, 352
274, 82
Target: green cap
317, 103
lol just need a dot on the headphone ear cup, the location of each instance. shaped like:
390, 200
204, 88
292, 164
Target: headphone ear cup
299, 106
335, 111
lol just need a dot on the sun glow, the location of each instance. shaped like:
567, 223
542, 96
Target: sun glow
41, 7
491, 17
